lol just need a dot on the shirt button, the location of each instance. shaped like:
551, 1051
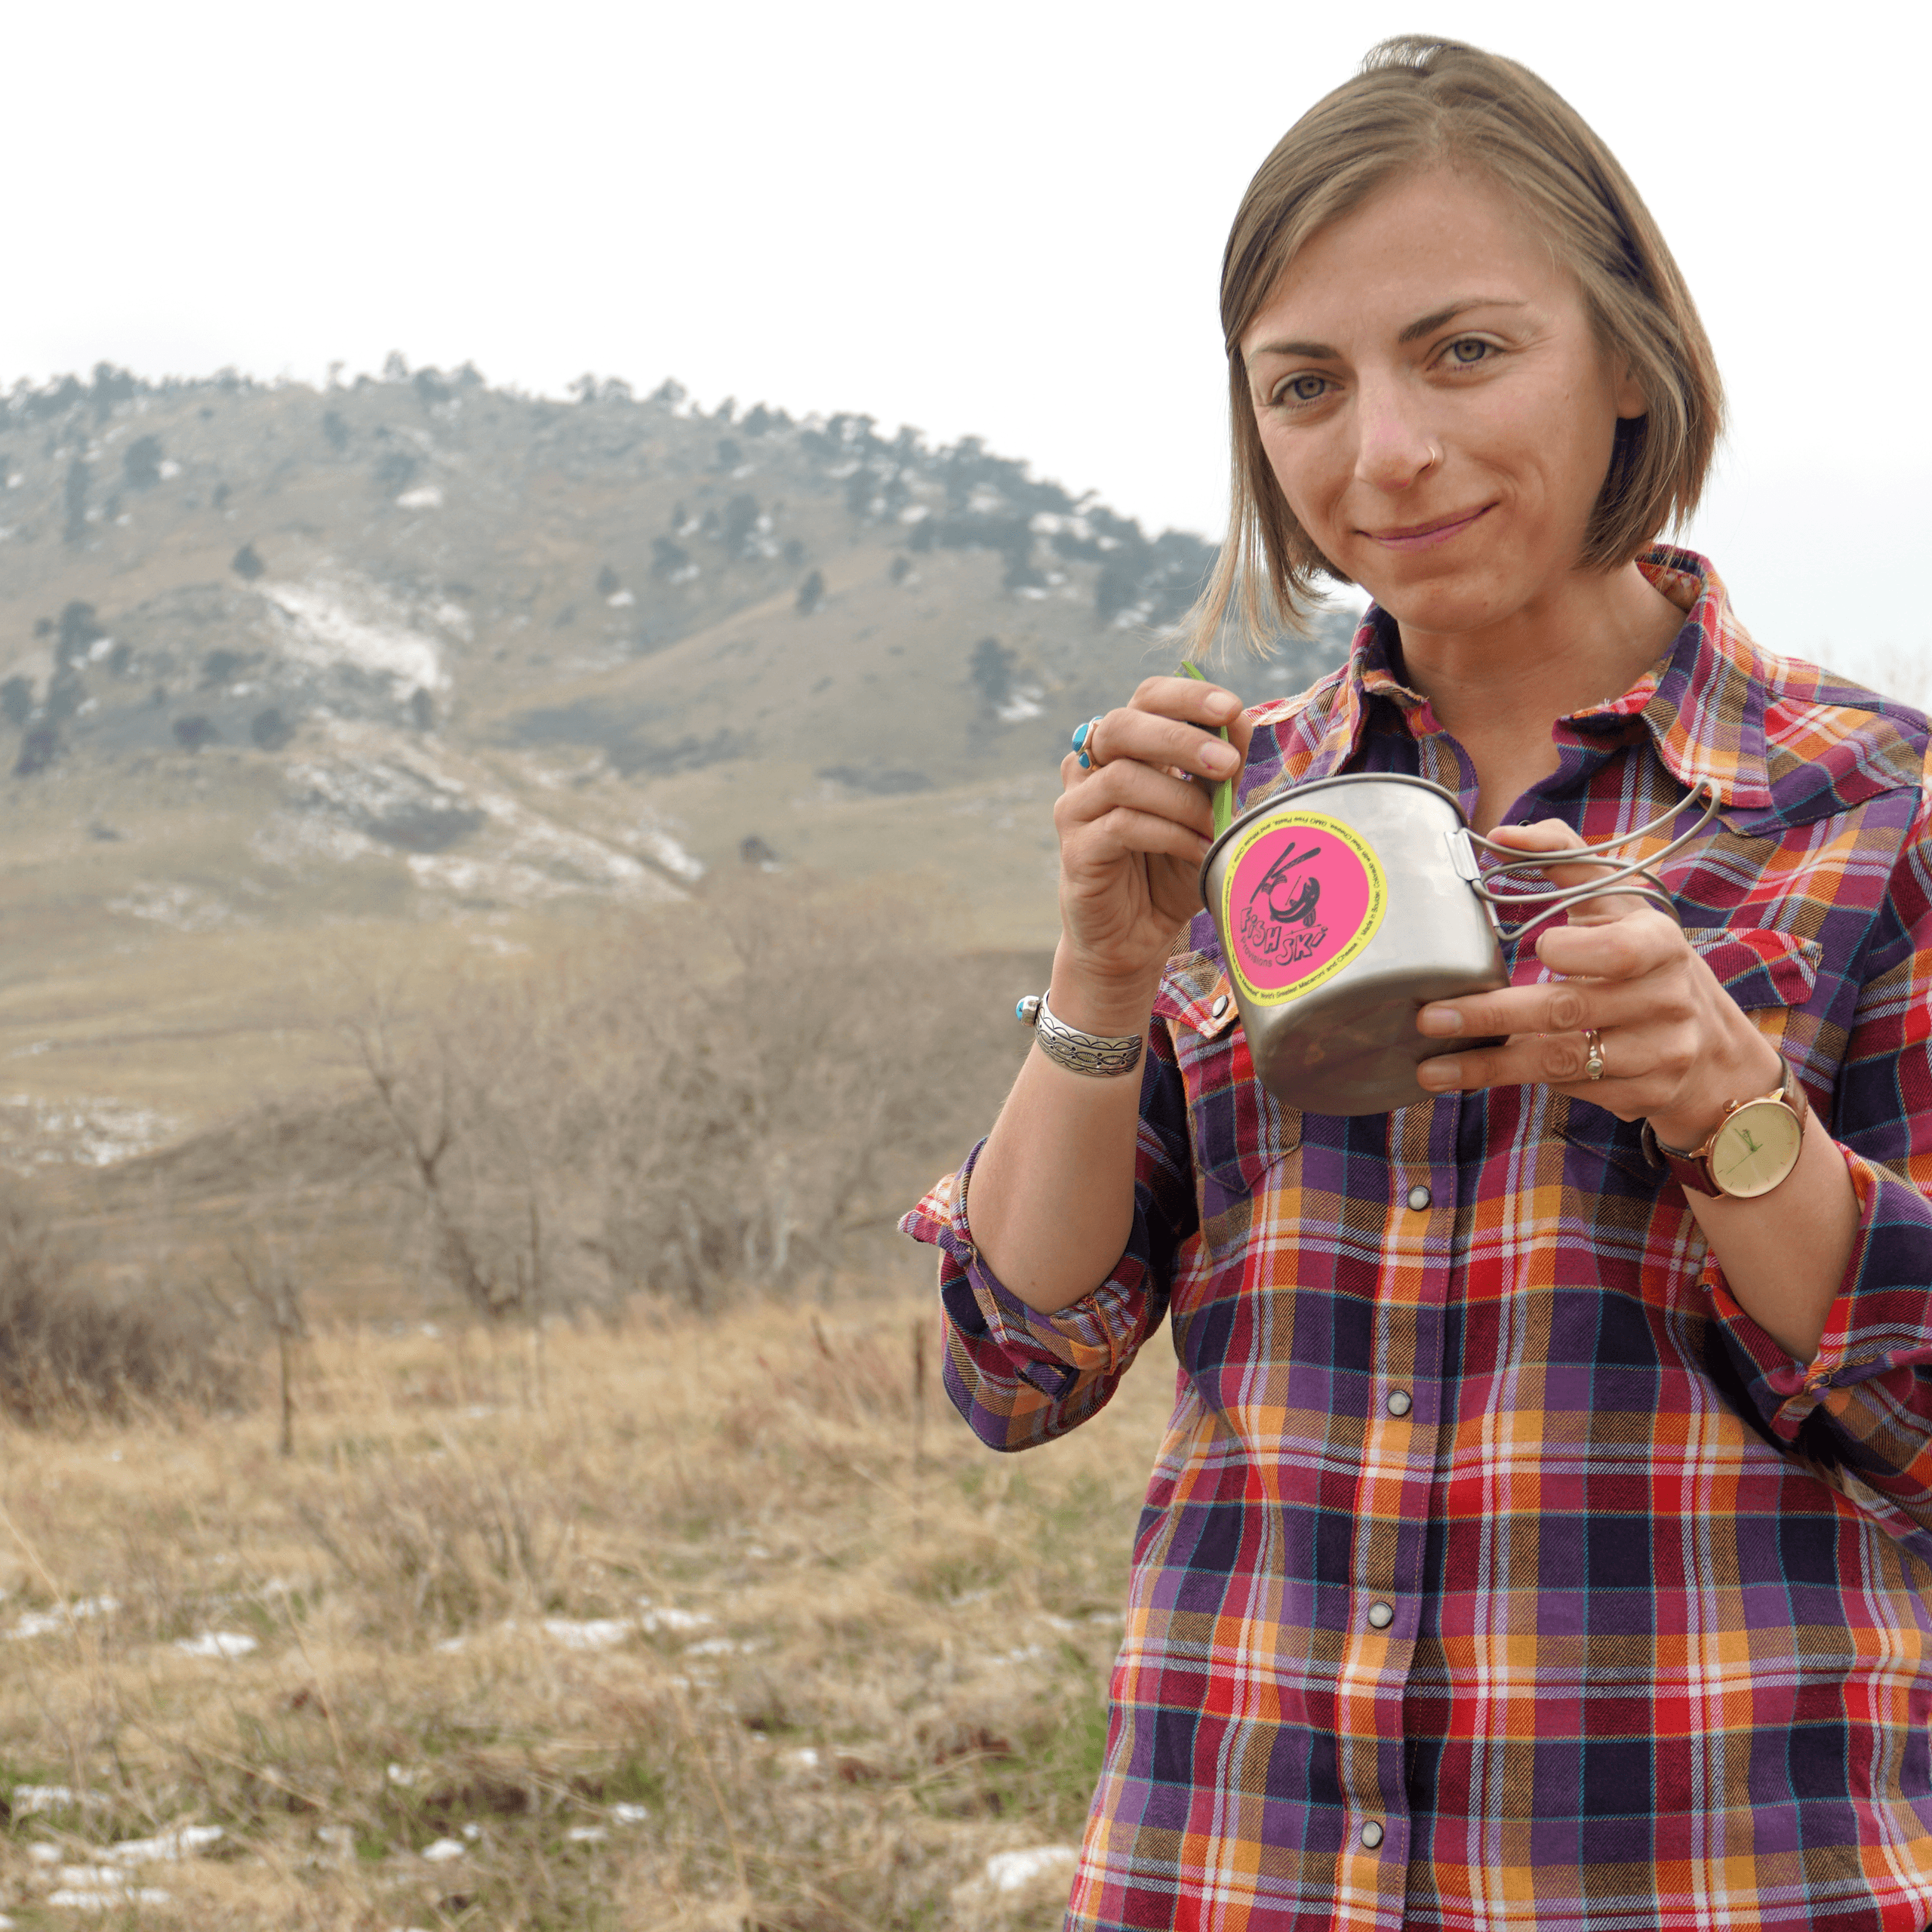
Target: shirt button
1220, 1006
1399, 1404
1371, 1835
1419, 1197
1380, 1616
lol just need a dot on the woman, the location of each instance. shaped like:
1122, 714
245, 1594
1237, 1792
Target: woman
1542, 1532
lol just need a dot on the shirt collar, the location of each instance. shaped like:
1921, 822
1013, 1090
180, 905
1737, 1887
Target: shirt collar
1702, 702
1366, 676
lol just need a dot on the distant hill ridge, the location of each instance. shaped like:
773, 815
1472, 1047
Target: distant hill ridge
445, 494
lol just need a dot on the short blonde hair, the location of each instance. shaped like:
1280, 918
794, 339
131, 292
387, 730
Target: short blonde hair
1418, 101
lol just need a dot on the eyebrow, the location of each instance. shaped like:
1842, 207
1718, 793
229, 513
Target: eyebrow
1321, 352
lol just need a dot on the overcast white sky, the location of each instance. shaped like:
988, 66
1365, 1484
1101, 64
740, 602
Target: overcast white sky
1003, 219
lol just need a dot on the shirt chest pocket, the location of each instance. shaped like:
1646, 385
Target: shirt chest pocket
1769, 974
1238, 1129
1763, 970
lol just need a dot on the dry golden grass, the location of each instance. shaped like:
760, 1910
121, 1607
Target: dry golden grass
682, 1624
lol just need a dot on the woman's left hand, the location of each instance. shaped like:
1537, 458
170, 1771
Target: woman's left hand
1673, 1047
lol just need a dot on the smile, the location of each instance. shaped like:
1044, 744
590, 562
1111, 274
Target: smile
1420, 536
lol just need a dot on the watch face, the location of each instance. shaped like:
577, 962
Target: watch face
1755, 1149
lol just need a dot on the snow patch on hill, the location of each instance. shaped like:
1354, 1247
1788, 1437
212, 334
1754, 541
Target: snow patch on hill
574, 857
338, 618
657, 844
89, 1131
188, 909
295, 840
392, 798
377, 793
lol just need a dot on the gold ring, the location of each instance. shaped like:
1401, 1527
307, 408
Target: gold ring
1593, 1066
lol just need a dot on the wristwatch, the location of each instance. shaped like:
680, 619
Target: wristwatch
1750, 1150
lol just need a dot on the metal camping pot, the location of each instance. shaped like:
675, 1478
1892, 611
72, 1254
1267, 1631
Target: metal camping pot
1346, 905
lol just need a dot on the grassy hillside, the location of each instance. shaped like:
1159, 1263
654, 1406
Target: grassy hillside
681, 1624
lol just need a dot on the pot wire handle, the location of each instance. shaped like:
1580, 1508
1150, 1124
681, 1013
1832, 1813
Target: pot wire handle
1635, 881
1223, 800
1623, 876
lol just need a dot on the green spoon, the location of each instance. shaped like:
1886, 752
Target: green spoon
1224, 792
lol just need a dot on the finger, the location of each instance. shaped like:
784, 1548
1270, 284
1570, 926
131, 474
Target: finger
1640, 941
1606, 996
1543, 839
1153, 738
1552, 836
1641, 1069
1137, 787
1561, 1062
1124, 830
1543, 834
1536, 1012
1199, 702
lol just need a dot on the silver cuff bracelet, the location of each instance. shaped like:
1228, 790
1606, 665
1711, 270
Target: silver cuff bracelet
1099, 1055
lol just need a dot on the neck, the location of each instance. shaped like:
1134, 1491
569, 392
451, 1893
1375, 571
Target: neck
1499, 688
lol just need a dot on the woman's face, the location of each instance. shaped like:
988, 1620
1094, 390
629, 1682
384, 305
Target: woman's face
1434, 401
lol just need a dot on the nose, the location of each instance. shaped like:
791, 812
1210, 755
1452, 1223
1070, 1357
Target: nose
1393, 444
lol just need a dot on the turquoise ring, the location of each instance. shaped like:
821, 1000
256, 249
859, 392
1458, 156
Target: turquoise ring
1083, 740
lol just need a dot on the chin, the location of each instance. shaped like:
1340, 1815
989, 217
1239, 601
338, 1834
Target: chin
1435, 607
1448, 597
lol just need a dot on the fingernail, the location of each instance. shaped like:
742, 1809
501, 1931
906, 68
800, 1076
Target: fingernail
1440, 1072
1439, 1020
1222, 706
1222, 757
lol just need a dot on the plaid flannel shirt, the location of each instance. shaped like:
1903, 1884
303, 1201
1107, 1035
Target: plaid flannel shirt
1497, 1568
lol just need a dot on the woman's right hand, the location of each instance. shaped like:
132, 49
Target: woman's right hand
1133, 832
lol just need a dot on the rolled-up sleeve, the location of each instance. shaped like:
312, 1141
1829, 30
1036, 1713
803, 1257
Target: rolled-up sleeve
1021, 1377
1863, 1403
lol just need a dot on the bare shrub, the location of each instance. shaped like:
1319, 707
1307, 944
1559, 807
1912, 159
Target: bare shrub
270, 1276
69, 1345
781, 1099
720, 1098
469, 1099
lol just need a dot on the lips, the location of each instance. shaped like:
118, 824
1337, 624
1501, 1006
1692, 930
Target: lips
1420, 536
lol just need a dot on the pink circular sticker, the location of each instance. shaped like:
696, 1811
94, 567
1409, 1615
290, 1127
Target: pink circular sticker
1301, 895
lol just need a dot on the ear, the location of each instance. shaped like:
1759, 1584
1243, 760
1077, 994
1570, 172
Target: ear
1630, 400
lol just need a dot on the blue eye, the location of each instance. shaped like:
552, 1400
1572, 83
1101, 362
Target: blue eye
1479, 351
1301, 388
